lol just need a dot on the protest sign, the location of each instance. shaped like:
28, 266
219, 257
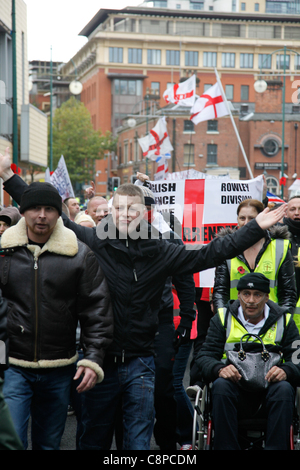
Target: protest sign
204, 207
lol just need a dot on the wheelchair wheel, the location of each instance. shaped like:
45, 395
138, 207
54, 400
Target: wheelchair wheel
201, 421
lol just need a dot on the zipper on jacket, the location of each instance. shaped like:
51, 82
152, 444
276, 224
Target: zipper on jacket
36, 308
123, 355
135, 275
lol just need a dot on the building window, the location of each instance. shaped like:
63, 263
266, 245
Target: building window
125, 152
196, 5
246, 61
116, 54
212, 126
228, 59
264, 61
134, 56
243, 6
207, 86
128, 87
280, 61
270, 147
191, 58
209, 59
272, 185
244, 92
212, 154
297, 62
229, 92
188, 154
188, 126
153, 57
233, 5
256, 7
173, 58
230, 30
155, 88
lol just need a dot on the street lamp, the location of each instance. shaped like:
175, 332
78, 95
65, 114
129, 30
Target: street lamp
260, 86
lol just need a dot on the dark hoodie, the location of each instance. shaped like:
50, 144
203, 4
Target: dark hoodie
286, 291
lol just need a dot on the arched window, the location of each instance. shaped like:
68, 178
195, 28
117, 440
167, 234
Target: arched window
272, 185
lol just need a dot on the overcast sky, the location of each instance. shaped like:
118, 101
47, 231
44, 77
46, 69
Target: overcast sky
57, 23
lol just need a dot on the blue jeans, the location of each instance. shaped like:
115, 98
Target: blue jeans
44, 394
131, 385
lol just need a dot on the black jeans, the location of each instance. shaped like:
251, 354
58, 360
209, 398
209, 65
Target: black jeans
230, 403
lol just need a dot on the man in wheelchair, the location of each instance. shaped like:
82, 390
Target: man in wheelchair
235, 398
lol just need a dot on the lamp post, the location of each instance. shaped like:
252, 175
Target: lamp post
14, 77
260, 86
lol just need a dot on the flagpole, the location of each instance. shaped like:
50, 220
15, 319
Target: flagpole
234, 125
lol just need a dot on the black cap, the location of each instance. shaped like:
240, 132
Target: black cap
254, 281
41, 194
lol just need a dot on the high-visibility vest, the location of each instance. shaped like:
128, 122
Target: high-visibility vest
297, 309
269, 265
235, 330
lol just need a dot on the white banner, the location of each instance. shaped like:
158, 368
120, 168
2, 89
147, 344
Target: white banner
204, 207
60, 179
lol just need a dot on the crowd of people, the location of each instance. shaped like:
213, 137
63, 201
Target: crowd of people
87, 309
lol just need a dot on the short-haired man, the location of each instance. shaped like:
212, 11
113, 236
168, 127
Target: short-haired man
51, 281
73, 206
254, 313
136, 262
97, 208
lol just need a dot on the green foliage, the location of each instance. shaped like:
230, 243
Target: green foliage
75, 139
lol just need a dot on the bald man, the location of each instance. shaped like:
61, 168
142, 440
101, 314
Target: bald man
97, 208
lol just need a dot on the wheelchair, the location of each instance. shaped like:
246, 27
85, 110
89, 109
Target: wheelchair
251, 431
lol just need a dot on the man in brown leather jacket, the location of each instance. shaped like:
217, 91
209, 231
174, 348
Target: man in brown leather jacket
51, 281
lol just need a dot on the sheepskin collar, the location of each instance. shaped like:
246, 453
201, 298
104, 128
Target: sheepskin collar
61, 242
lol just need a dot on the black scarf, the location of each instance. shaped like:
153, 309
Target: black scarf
294, 226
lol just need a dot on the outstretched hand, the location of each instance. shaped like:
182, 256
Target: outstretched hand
90, 191
268, 218
5, 163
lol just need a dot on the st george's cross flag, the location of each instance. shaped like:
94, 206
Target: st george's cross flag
157, 142
209, 106
183, 93
162, 168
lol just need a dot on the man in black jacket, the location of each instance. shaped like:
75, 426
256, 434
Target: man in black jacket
252, 313
51, 281
136, 263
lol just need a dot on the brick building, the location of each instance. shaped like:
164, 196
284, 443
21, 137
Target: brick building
135, 51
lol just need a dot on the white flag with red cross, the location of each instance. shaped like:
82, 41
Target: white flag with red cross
183, 93
157, 142
162, 168
209, 106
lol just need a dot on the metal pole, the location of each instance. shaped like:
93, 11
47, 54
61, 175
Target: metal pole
51, 113
234, 125
283, 119
14, 77
147, 98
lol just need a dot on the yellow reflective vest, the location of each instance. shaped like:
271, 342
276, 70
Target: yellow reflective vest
297, 309
269, 265
235, 330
